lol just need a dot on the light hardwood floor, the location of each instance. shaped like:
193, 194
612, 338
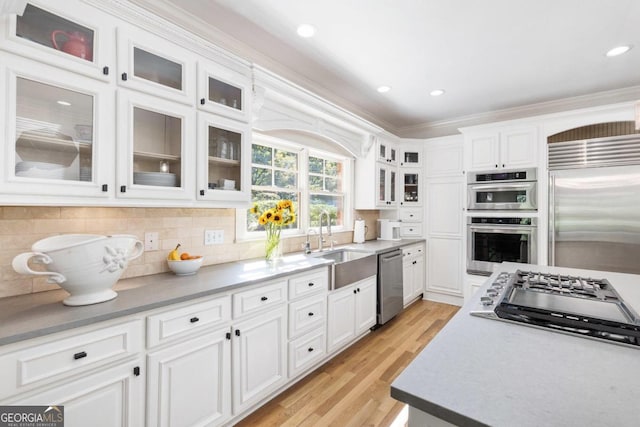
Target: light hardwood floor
353, 389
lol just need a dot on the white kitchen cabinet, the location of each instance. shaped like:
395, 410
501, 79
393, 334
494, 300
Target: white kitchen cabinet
472, 284
410, 156
351, 312
57, 141
224, 163
444, 268
155, 65
445, 207
444, 157
189, 383
387, 186
387, 152
111, 397
501, 149
224, 91
381, 166
70, 35
411, 187
412, 273
156, 148
259, 357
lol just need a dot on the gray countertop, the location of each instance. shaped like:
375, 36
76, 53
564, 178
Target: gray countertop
478, 371
33, 315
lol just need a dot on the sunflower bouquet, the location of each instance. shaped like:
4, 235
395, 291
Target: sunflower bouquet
273, 220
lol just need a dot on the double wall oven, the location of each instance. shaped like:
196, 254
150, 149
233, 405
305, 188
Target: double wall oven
500, 225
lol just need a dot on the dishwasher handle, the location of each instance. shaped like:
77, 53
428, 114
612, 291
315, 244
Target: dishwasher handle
390, 256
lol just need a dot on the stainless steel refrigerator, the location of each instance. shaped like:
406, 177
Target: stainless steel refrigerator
594, 204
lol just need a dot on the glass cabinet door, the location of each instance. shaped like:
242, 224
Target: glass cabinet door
57, 144
49, 34
411, 157
154, 135
224, 91
154, 65
411, 188
223, 159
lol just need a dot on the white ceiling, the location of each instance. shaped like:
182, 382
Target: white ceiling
488, 55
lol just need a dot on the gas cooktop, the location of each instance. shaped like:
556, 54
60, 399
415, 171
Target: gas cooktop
576, 305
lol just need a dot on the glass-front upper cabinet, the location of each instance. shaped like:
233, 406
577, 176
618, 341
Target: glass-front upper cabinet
411, 187
156, 66
386, 190
56, 141
224, 91
67, 34
223, 160
156, 148
411, 157
387, 152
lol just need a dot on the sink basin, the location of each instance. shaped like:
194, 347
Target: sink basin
348, 266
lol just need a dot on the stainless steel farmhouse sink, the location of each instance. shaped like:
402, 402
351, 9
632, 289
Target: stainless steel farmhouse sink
348, 266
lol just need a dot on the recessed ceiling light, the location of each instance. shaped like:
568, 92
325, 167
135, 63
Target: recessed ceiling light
383, 89
306, 30
619, 50
65, 103
436, 92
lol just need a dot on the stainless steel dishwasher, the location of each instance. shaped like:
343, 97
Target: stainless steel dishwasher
389, 285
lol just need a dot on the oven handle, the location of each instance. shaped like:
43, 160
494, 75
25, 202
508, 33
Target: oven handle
518, 229
504, 186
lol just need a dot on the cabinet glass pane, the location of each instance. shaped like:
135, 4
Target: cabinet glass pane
392, 191
410, 157
382, 185
55, 32
224, 159
411, 187
157, 148
225, 94
54, 132
393, 154
157, 69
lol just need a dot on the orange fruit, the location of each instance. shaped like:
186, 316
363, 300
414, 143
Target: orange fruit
184, 256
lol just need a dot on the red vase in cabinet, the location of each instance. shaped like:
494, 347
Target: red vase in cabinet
76, 44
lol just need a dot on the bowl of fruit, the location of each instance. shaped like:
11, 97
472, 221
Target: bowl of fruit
184, 264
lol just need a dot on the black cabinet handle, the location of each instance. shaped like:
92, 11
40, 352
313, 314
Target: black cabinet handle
354, 291
136, 371
202, 101
202, 192
105, 188
310, 349
311, 284
496, 165
263, 298
237, 332
228, 335
503, 165
310, 313
415, 262
358, 289
124, 77
194, 320
123, 188
105, 71
80, 355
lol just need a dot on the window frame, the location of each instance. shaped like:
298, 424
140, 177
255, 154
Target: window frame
303, 213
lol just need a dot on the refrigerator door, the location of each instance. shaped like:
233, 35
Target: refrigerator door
594, 218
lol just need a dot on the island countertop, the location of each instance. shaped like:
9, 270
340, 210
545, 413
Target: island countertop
479, 372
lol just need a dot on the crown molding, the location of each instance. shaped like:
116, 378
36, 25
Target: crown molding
452, 126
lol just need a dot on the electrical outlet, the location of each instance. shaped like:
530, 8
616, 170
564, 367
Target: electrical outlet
213, 237
151, 241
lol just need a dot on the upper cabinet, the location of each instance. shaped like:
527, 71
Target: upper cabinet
154, 65
224, 91
410, 156
223, 159
387, 152
58, 132
501, 149
156, 148
69, 35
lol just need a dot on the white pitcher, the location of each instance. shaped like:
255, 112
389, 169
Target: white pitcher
85, 265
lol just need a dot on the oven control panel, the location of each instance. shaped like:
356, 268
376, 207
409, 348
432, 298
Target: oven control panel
492, 296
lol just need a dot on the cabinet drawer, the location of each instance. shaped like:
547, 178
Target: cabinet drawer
411, 215
306, 314
44, 362
309, 283
411, 230
182, 322
412, 250
257, 299
306, 350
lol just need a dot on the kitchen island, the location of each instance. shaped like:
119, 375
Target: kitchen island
478, 372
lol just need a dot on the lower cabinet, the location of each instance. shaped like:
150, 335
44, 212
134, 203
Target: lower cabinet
351, 312
412, 273
259, 357
106, 398
189, 383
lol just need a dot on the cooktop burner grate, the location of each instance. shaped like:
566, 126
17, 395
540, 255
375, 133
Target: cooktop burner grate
558, 284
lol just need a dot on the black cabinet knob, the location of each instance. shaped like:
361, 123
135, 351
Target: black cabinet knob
194, 320
105, 188
354, 291
237, 332
124, 77
311, 284
310, 313
202, 101
310, 349
80, 355
263, 298
202, 192
123, 188
105, 71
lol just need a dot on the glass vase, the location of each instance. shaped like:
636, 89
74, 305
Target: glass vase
273, 247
